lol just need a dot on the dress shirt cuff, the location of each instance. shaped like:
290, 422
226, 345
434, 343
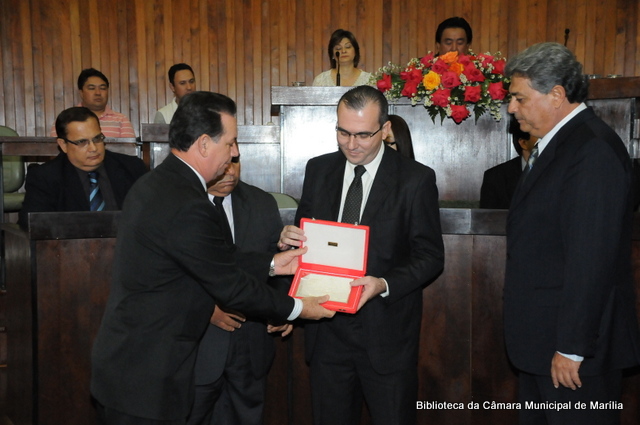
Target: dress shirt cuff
385, 294
573, 357
297, 309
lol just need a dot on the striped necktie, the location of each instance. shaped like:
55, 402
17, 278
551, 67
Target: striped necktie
96, 202
532, 159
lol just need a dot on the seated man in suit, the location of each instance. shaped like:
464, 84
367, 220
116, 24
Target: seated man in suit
84, 176
500, 182
236, 352
181, 81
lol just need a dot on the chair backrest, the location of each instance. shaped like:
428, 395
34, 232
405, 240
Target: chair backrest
12, 166
284, 201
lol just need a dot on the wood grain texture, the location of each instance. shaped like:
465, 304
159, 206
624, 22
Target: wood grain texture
242, 48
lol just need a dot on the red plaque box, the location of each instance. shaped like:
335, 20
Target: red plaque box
337, 255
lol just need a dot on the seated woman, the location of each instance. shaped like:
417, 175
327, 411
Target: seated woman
344, 54
399, 137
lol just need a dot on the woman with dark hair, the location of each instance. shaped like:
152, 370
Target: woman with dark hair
399, 137
344, 54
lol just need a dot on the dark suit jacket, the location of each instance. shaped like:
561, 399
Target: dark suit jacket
405, 248
568, 283
171, 263
257, 225
55, 185
499, 183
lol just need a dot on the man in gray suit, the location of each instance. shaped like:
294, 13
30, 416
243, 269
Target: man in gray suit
236, 351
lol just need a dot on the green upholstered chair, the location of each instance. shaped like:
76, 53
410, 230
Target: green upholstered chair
13, 176
284, 201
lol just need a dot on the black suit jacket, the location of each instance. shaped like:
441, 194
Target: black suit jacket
56, 186
499, 183
171, 265
405, 248
257, 225
568, 283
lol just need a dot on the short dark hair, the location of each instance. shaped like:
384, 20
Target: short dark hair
359, 97
75, 114
550, 64
455, 22
90, 72
517, 134
402, 136
198, 113
336, 38
178, 67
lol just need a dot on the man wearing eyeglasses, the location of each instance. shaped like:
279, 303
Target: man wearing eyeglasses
372, 355
84, 176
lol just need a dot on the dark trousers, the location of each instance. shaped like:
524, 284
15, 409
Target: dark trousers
108, 416
539, 389
342, 377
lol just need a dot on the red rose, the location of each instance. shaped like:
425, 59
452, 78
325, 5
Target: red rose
412, 75
472, 94
440, 66
441, 97
465, 60
427, 60
385, 83
497, 91
459, 113
450, 80
498, 66
485, 59
473, 74
410, 88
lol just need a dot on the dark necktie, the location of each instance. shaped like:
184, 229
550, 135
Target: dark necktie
96, 202
353, 201
530, 162
226, 229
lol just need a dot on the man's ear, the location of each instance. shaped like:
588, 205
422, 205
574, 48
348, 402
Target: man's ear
203, 143
559, 95
62, 144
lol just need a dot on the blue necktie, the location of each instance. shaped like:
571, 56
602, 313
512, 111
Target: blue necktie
530, 162
96, 202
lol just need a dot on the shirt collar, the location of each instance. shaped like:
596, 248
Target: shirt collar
372, 167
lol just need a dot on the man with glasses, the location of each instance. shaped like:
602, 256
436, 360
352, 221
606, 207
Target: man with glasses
372, 355
84, 176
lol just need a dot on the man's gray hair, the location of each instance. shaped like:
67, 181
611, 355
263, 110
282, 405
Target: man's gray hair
548, 65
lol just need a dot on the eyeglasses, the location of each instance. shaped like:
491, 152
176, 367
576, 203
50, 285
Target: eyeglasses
363, 136
84, 142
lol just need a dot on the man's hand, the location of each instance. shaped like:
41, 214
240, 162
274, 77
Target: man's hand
311, 308
371, 287
565, 371
291, 236
286, 329
286, 262
226, 321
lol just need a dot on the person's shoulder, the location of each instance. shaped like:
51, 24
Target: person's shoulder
48, 168
128, 161
254, 193
328, 159
505, 166
323, 79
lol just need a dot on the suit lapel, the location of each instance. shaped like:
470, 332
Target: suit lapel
385, 180
240, 208
329, 202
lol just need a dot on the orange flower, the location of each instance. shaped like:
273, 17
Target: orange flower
431, 80
456, 67
449, 57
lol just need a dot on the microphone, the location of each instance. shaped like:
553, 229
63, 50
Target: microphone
566, 36
338, 68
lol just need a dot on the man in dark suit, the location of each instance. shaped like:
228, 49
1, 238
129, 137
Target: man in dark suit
64, 183
499, 182
372, 355
172, 265
236, 352
570, 325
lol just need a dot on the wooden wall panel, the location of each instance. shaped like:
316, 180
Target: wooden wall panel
242, 48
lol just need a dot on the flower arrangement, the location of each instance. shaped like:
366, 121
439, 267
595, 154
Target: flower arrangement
448, 85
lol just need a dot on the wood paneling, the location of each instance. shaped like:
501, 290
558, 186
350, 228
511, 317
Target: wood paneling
243, 48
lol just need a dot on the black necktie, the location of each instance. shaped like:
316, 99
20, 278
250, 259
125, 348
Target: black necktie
96, 202
353, 201
532, 158
226, 229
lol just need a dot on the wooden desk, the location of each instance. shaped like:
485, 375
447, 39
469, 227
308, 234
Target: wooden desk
58, 281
